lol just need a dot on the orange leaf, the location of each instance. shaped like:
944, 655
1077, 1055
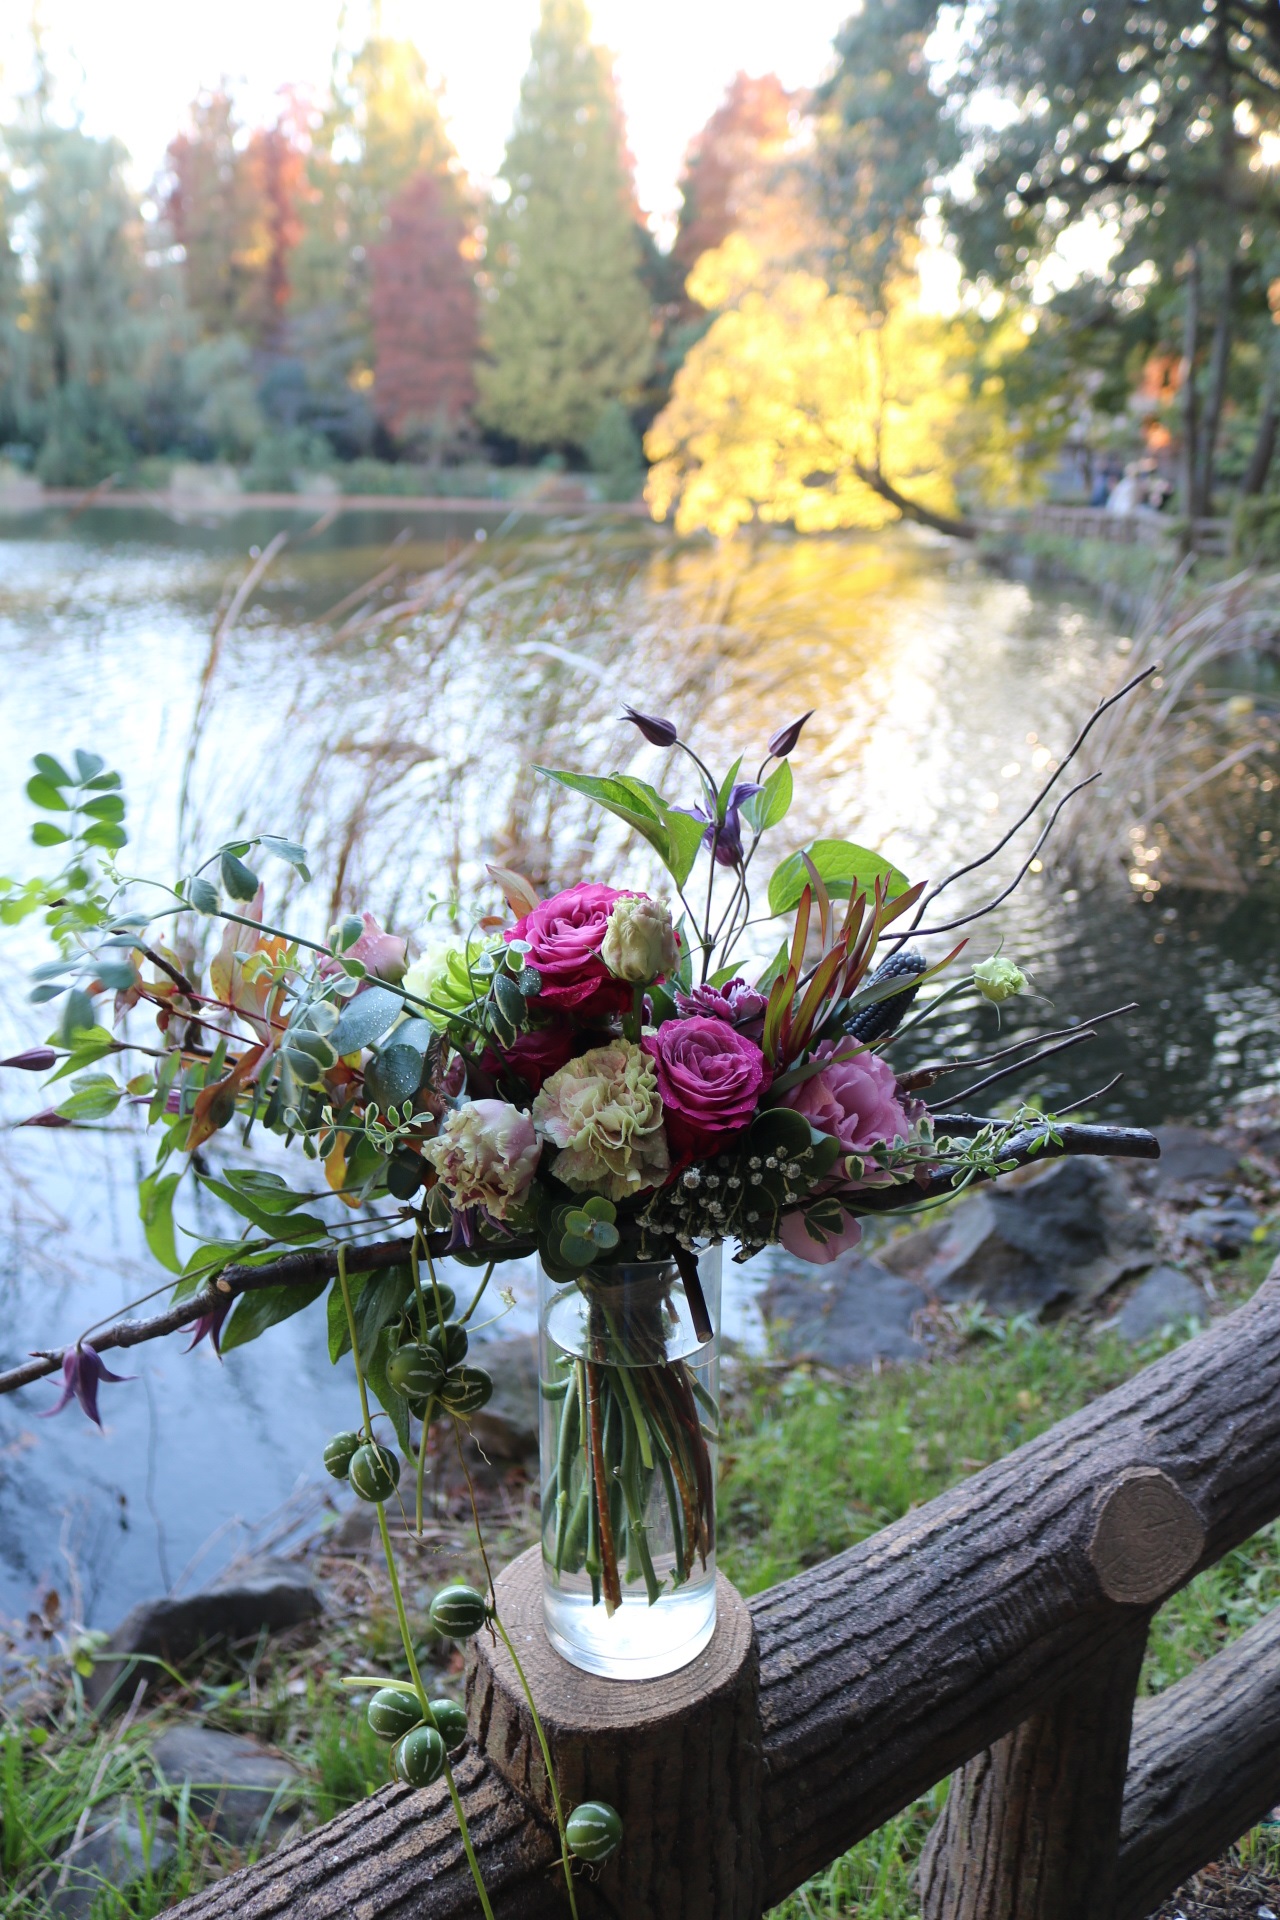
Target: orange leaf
520, 894
216, 1105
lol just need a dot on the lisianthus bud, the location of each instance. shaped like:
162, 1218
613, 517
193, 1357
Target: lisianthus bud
639, 942
485, 1155
998, 979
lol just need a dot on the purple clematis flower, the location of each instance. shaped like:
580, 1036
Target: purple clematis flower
81, 1372
657, 731
727, 839
784, 740
210, 1324
34, 1060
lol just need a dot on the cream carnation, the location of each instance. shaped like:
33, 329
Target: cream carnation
639, 942
603, 1112
486, 1154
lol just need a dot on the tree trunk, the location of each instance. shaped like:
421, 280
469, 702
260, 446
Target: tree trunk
912, 509
1264, 445
1219, 363
1031, 1828
1190, 344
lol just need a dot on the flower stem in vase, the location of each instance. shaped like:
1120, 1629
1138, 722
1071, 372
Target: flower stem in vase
608, 1560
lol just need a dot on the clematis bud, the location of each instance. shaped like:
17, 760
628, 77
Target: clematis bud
998, 980
34, 1060
783, 742
81, 1372
658, 732
639, 943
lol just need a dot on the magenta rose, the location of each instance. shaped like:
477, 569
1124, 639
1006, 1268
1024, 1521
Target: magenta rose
710, 1079
855, 1099
534, 1056
565, 934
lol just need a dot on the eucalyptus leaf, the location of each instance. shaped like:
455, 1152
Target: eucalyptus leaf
366, 1019
202, 894
393, 1076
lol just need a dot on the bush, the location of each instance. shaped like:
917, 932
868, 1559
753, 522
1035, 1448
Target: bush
281, 458
614, 452
83, 443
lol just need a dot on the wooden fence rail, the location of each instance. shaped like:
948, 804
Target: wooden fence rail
1139, 527
998, 1630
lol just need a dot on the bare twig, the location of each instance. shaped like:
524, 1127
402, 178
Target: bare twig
1019, 1066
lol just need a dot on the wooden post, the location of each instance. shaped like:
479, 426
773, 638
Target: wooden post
680, 1758
1031, 1828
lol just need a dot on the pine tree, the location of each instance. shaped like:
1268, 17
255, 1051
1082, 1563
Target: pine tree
423, 308
570, 327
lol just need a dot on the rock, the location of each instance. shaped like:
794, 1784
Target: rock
1223, 1230
1190, 1160
847, 1314
1163, 1298
269, 1593
507, 1428
113, 1853
1059, 1236
238, 1789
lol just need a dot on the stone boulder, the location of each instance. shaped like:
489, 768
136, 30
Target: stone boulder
269, 1593
237, 1788
847, 1314
1165, 1297
1042, 1240
113, 1852
1191, 1162
507, 1428
1222, 1230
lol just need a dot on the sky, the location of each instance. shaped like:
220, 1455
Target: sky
132, 66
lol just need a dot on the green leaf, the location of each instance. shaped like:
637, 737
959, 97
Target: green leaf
117, 975
88, 766
299, 1229
269, 1192
370, 1015
289, 851
393, 1076
684, 837
45, 834
202, 894
92, 1098
155, 1207
52, 769
44, 794
241, 882
375, 1358
634, 801
88, 1050
726, 788
103, 783
104, 834
769, 807
267, 1307
77, 1015
843, 867
109, 807
382, 1300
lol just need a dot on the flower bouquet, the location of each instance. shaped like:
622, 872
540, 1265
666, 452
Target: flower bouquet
614, 1081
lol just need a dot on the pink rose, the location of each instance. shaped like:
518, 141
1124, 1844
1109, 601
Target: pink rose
565, 935
534, 1056
384, 954
798, 1240
854, 1099
710, 1078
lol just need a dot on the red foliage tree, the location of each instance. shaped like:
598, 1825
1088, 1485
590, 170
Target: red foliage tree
423, 308
727, 165
275, 163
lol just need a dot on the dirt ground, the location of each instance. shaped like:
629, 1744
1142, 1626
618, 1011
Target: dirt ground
1227, 1890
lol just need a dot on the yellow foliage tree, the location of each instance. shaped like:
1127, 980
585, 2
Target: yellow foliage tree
800, 408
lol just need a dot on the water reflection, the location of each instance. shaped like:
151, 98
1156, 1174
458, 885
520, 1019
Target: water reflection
397, 736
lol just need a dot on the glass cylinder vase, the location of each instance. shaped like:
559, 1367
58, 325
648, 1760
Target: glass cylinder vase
629, 1362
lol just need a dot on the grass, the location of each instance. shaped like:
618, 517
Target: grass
812, 1463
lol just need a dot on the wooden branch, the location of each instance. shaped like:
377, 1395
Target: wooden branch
886, 1668
317, 1263
1204, 1767
912, 509
1112, 1143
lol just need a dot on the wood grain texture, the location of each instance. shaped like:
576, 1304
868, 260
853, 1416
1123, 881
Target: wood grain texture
1031, 1828
678, 1757
887, 1667
1204, 1767
1146, 1539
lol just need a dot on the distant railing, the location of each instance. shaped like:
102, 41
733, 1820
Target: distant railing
998, 1630
1140, 527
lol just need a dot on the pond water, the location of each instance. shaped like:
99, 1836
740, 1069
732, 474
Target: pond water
384, 695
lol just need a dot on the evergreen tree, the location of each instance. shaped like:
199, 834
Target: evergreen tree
569, 329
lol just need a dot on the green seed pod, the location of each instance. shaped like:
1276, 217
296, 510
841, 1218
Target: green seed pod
593, 1831
374, 1472
338, 1454
393, 1711
466, 1390
415, 1371
458, 1612
448, 1300
450, 1342
419, 1759
451, 1719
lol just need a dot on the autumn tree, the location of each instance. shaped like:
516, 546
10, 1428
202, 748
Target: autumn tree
569, 327
729, 166
423, 309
